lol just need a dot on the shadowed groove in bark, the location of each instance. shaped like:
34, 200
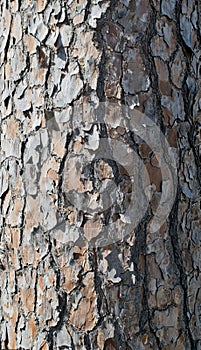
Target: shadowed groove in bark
61, 169
87, 342
87, 10
145, 45
62, 307
188, 93
102, 70
23, 146
173, 231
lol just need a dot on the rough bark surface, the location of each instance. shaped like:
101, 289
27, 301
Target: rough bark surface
60, 289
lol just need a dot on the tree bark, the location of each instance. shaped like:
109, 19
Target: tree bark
100, 174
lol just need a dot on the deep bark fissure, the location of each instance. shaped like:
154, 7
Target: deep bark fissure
173, 231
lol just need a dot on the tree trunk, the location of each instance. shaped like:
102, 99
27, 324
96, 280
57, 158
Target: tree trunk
100, 174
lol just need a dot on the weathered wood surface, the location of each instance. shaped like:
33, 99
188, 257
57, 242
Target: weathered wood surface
61, 287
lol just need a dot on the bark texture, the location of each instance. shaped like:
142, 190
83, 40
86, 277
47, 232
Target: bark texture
59, 290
